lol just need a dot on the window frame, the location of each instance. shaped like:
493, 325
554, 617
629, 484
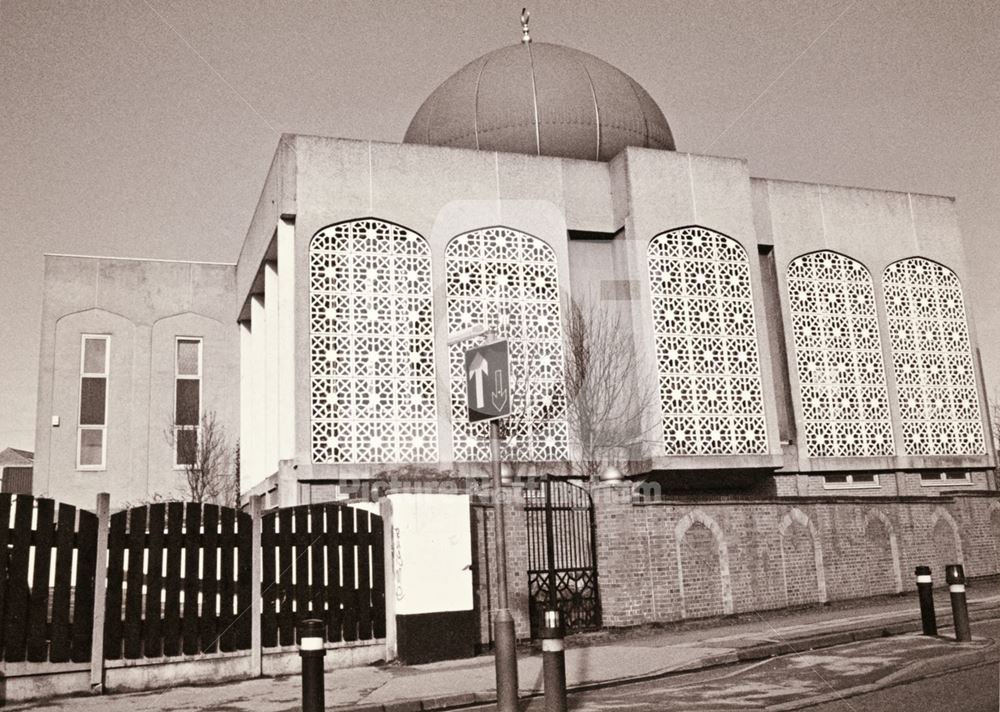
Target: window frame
943, 481
80, 427
851, 484
187, 377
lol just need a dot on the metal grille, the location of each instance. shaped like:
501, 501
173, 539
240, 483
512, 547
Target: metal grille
371, 330
706, 344
932, 359
509, 280
845, 403
562, 570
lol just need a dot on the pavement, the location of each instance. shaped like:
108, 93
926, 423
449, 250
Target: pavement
593, 660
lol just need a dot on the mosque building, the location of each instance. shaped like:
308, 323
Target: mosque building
794, 339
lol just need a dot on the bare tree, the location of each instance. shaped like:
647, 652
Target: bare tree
515, 430
610, 400
209, 461
994, 418
994, 407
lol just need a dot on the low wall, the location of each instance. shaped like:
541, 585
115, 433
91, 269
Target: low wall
668, 560
37, 681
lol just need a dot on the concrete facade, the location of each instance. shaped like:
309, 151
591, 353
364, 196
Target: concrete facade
598, 219
143, 306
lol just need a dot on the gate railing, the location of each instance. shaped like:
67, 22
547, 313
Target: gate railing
562, 564
179, 579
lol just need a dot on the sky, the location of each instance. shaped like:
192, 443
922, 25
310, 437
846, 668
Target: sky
145, 128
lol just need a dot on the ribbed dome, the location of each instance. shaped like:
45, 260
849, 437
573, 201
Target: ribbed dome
541, 99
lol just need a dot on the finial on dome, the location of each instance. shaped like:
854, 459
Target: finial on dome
525, 34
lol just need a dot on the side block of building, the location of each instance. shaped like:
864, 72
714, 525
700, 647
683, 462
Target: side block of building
134, 355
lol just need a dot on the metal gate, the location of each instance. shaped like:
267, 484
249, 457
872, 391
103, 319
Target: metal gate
562, 568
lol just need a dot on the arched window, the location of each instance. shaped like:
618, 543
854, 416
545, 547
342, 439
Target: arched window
706, 344
509, 280
845, 402
932, 359
371, 335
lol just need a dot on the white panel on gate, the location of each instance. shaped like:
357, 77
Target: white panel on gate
431, 553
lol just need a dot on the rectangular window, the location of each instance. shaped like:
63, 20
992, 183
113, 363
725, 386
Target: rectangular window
187, 401
945, 478
93, 423
850, 481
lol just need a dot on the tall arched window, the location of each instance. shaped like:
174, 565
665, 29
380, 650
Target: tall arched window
845, 402
371, 333
932, 359
509, 280
706, 344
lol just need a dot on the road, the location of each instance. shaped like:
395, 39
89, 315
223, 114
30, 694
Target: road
839, 679
972, 690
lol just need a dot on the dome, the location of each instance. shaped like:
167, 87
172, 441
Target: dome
541, 99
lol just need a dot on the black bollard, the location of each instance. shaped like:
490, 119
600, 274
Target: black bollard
955, 576
925, 589
554, 661
312, 637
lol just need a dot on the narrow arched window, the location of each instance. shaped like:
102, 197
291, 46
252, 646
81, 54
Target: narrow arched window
706, 344
932, 359
371, 334
509, 280
838, 354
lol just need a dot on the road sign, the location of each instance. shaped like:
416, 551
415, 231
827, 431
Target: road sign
487, 378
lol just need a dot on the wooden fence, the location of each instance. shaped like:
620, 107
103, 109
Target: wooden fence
179, 578
47, 561
322, 561
178, 581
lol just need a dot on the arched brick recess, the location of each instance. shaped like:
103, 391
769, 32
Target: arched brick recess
702, 567
881, 552
945, 545
801, 560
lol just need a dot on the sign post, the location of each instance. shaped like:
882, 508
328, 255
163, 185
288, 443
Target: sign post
487, 368
487, 372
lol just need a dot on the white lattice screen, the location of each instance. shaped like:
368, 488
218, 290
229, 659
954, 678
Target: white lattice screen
507, 279
706, 344
932, 359
845, 401
371, 335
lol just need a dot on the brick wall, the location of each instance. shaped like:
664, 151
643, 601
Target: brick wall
994, 533
484, 582
668, 560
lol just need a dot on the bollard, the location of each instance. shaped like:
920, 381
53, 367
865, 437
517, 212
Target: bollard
955, 576
554, 661
925, 589
312, 636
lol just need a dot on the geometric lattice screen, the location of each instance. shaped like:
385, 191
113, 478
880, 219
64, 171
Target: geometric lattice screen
706, 344
509, 280
932, 359
845, 401
371, 340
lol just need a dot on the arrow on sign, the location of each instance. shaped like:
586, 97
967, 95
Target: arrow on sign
480, 369
499, 394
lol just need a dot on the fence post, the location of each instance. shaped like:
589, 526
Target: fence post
100, 594
256, 604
